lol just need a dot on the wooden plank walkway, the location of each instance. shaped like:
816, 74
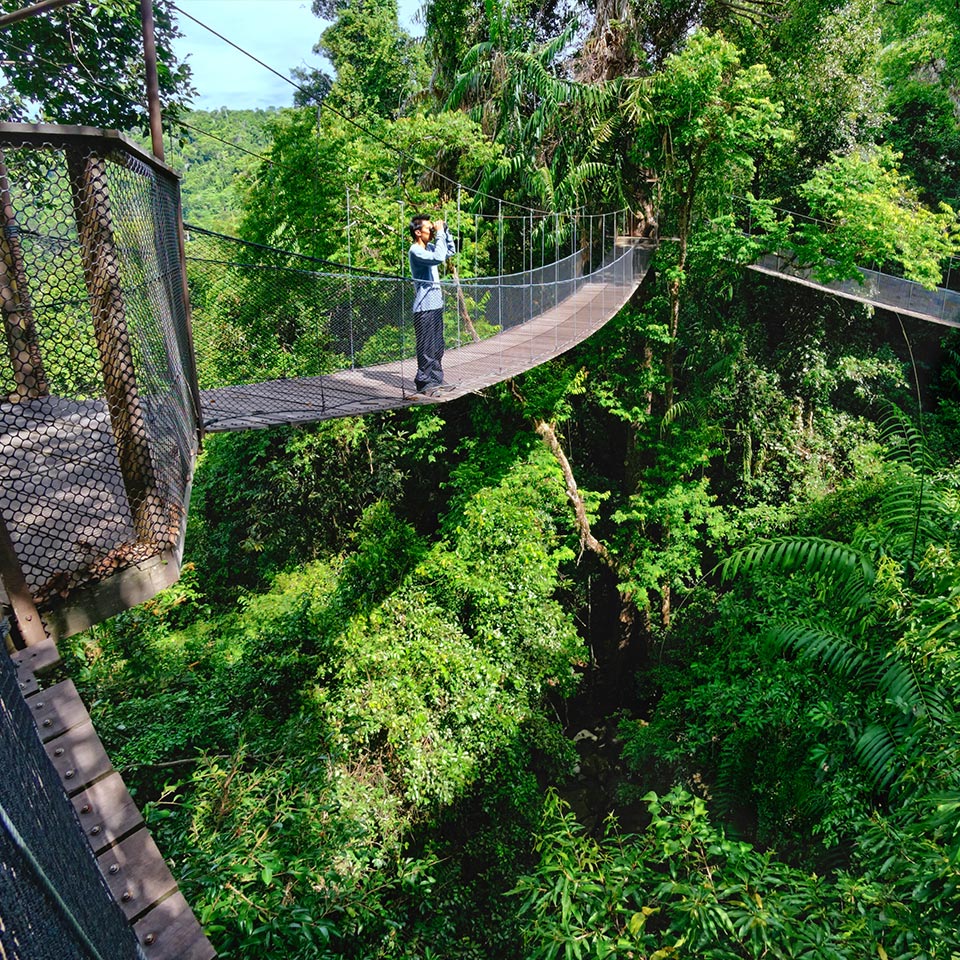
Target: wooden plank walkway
389, 386
132, 867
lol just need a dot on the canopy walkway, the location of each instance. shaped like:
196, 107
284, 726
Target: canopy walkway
111, 383
104, 411
100, 427
497, 328
876, 288
873, 288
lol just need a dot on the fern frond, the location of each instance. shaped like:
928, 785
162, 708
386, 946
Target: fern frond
817, 555
902, 685
876, 749
912, 512
832, 648
681, 410
904, 442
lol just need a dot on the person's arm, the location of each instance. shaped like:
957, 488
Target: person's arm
448, 243
444, 237
429, 257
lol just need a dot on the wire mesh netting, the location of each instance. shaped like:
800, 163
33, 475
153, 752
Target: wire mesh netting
874, 287
265, 318
98, 423
54, 903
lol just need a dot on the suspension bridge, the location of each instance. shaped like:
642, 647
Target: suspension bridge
129, 338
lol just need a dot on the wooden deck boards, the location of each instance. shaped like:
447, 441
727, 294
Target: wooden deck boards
469, 367
132, 867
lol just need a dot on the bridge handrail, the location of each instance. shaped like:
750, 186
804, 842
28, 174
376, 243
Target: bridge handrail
95, 310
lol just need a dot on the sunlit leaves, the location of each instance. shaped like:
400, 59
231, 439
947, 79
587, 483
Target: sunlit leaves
83, 64
866, 211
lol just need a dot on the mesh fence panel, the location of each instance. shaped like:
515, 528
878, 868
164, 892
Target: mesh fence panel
883, 287
44, 856
98, 424
262, 315
879, 289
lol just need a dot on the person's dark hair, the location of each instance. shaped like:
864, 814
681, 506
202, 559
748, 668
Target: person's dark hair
415, 223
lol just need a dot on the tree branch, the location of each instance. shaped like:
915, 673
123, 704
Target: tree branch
587, 540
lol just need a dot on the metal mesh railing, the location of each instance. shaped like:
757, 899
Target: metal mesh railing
54, 903
874, 287
99, 413
265, 315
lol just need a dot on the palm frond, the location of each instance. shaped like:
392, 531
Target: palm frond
681, 410
902, 686
912, 514
904, 442
877, 750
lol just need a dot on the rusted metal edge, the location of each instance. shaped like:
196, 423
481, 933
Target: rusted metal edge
95, 602
105, 142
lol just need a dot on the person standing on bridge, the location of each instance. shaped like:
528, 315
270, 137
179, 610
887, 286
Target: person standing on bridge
431, 246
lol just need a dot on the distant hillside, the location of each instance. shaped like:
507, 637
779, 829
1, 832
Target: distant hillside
214, 163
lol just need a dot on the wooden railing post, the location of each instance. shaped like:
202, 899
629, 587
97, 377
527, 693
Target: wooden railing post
29, 624
28, 376
101, 270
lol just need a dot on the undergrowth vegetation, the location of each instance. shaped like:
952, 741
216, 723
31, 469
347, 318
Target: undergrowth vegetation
365, 751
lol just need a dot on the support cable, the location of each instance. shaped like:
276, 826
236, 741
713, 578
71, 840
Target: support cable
386, 143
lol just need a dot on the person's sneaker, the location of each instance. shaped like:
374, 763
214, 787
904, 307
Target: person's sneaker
434, 390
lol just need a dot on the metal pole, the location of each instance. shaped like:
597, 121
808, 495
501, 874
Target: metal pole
403, 291
531, 264
42, 7
153, 83
28, 619
349, 253
101, 268
350, 285
500, 262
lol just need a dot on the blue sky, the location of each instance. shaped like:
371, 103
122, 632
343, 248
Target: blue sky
281, 33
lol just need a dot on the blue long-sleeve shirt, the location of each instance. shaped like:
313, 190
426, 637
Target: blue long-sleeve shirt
424, 263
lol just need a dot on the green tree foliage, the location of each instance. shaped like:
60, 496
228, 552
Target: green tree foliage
822, 701
402, 675
269, 498
215, 156
823, 58
873, 213
83, 64
920, 65
683, 888
299, 199
378, 66
515, 87
701, 124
